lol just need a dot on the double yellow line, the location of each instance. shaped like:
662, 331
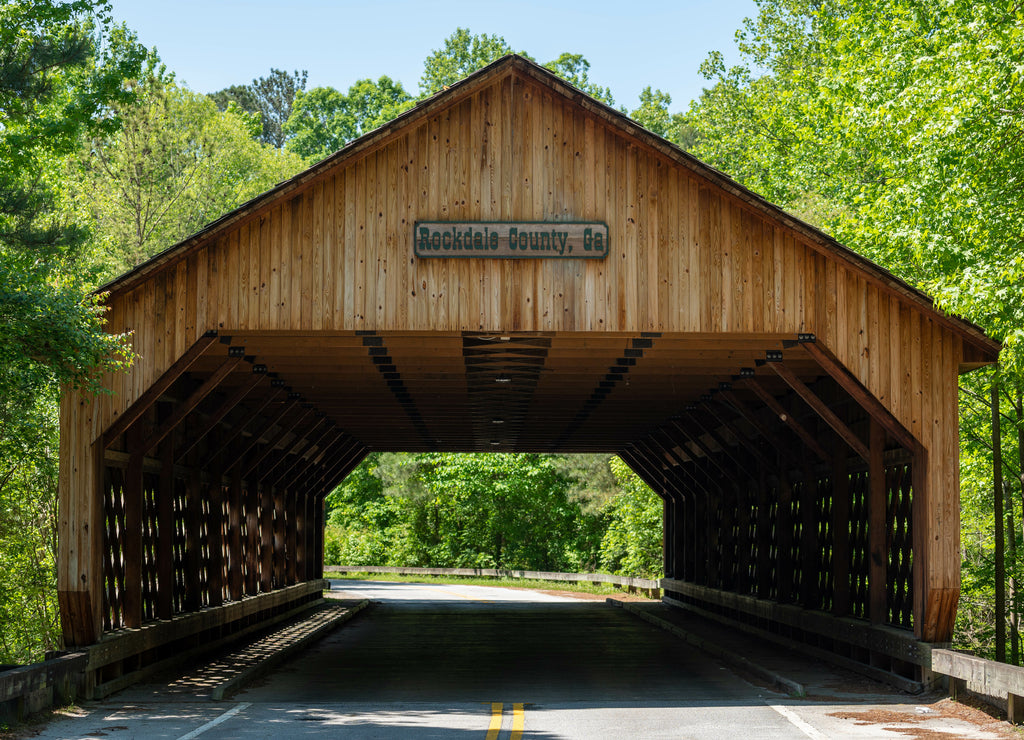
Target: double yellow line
518, 720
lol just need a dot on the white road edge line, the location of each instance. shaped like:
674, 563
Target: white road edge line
796, 722
213, 723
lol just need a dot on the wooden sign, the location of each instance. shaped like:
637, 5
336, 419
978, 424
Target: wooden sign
513, 240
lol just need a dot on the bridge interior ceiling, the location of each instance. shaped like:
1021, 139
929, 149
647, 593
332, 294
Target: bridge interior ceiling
780, 482
499, 392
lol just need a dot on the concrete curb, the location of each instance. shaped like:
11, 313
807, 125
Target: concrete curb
776, 679
250, 673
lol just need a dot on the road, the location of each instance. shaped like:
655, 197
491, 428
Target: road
440, 661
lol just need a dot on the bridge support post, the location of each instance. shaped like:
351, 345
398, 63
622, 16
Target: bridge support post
877, 552
165, 533
235, 582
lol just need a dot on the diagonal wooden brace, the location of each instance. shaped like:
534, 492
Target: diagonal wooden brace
190, 403
134, 412
821, 409
787, 418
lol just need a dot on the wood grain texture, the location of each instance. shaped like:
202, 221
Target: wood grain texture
331, 252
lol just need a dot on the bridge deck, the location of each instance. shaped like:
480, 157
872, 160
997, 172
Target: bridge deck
464, 661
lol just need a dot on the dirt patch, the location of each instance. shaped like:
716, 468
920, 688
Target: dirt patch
944, 709
582, 595
36, 723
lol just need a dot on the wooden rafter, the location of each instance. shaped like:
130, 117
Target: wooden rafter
785, 417
134, 412
223, 410
189, 404
821, 409
845, 379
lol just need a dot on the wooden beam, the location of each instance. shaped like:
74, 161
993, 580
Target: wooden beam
279, 537
822, 410
297, 443
708, 454
285, 472
215, 538
301, 534
266, 427
252, 537
750, 417
131, 541
656, 453
336, 455
234, 433
313, 479
926, 624
189, 404
193, 555
763, 532
787, 418
846, 380
134, 412
724, 446
236, 585
266, 529
784, 564
840, 533
877, 551
165, 534
640, 465
809, 555
217, 416
332, 478
291, 537
730, 425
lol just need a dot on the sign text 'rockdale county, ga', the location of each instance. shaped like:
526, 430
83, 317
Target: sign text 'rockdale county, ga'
512, 240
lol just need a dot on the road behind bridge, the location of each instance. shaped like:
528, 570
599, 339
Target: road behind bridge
453, 661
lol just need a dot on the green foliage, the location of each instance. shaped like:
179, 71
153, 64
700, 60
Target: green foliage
575, 69
175, 164
28, 527
462, 54
270, 97
323, 120
57, 82
631, 545
513, 511
896, 126
654, 116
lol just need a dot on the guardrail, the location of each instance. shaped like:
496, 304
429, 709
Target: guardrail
648, 586
30, 688
999, 684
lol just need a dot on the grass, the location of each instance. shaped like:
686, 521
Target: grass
601, 589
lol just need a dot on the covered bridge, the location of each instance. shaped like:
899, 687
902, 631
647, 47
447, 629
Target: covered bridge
514, 266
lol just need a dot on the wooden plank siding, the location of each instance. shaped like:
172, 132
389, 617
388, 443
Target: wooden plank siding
333, 254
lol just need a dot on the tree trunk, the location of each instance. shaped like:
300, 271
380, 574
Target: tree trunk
1000, 566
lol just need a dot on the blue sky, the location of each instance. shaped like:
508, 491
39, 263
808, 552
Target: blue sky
217, 43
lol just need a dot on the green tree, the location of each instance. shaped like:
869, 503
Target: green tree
57, 81
653, 115
575, 69
323, 119
896, 126
465, 510
174, 165
631, 545
271, 97
462, 54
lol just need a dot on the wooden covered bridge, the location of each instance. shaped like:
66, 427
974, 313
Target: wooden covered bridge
513, 266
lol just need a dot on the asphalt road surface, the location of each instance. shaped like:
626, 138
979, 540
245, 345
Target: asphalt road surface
461, 662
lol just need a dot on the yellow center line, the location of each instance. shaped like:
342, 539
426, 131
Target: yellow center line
495, 727
518, 721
